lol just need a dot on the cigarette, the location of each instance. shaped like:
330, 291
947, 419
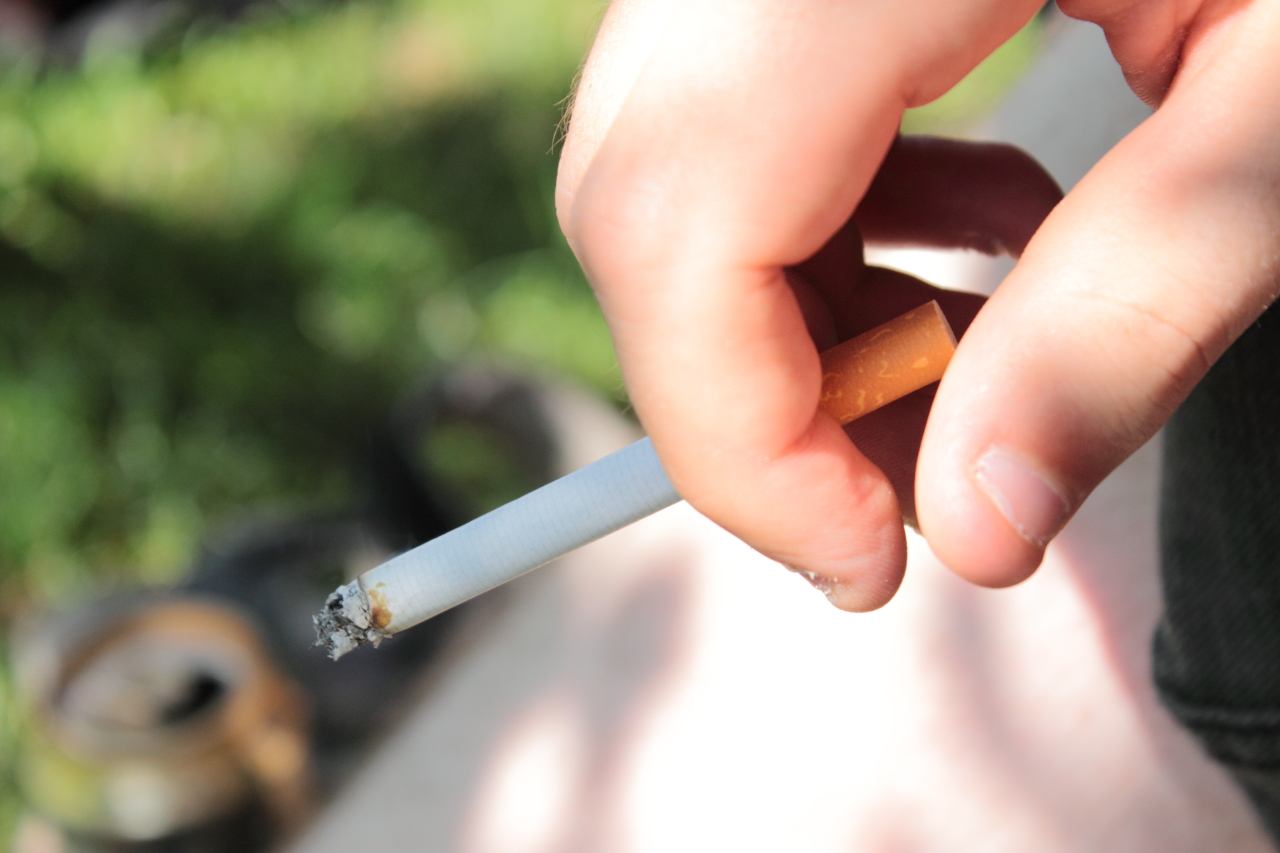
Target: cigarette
859, 376
887, 363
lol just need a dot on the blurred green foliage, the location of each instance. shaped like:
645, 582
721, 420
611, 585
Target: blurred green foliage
221, 258
220, 262
982, 88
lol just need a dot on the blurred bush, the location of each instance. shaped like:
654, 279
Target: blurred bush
221, 257
220, 261
224, 251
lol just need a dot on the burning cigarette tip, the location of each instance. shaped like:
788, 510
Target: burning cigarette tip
346, 622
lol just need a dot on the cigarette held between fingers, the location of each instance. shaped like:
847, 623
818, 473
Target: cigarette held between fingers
887, 363
859, 376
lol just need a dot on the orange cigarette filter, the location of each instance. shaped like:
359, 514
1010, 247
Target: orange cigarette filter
890, 361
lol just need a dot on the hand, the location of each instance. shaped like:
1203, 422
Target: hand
930, 192
716, 145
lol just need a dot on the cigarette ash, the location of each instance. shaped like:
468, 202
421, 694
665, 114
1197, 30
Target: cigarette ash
345, 623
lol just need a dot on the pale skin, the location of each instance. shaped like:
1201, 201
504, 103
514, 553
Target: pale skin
715, 146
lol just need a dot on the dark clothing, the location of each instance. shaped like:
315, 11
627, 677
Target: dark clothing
1217, 648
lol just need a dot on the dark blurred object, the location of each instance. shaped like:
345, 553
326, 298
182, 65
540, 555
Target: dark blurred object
281, 571
160, 723
65, 29
146, 26
175, 722
22, 22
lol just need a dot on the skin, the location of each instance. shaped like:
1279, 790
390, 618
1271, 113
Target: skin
724, 158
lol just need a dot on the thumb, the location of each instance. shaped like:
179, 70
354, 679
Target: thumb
1133, 287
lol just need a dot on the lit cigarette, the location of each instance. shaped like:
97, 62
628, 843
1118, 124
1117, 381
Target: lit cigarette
859, 376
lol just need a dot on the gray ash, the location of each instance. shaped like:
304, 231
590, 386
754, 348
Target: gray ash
344, 623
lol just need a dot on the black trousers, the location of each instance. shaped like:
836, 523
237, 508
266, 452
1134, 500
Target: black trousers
1217, 648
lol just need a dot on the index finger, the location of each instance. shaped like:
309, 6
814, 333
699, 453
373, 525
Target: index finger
744, 141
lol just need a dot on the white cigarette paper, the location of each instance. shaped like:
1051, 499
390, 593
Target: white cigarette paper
531, 531
859, 376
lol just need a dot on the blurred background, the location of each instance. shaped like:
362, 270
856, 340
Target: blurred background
251, 254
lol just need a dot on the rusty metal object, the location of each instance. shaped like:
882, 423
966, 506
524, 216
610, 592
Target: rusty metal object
149, 717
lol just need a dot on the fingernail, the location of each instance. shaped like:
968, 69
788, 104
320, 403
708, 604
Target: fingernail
1024, 496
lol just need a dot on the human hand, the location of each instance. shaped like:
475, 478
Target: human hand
716, 145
